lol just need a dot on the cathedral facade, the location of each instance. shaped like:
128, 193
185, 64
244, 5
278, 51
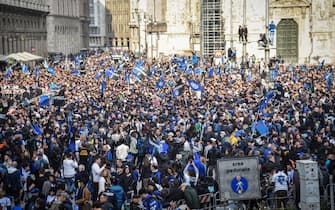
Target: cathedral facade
304, 33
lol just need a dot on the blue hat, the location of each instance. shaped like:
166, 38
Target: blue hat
35, 190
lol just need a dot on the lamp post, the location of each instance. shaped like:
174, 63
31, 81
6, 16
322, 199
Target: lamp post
267, 49
139, 29
244, 48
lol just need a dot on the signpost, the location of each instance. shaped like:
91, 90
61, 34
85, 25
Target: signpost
239, 178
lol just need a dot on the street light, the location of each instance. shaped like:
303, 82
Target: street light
139, 29
244, 49
267, 49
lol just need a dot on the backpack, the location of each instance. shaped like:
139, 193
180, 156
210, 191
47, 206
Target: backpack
151, 203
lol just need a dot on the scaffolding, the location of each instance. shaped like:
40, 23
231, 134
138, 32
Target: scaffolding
212, 27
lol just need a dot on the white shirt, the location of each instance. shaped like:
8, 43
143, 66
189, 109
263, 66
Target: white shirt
122, 152
102, 185
4, 203
280, 179
69, 168
96, 171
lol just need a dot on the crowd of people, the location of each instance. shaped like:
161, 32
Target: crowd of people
148, 132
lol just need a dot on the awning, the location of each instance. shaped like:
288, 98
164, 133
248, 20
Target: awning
2, 58
24, 57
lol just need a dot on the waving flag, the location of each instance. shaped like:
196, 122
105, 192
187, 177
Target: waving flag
160, 83
210, 72
51, 71
260, 127
265, 102
177, 91
249, 77
69, 120
303, 68
109, 72
102, 87
189, 71
75, 72
139, 72
37, 130
8, 73
77, 59
97, 75
195, 86
45, 64
194, 59
43, 100
320, 67
329, 80
198, 71
139, 63
24, 68
218, 70
36, 72
153, 70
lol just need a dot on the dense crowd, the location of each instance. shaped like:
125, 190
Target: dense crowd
148, 132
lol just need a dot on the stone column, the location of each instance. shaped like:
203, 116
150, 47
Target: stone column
1, 46
10, 45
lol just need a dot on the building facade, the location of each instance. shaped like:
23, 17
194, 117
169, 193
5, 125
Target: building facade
84, 17
165, 27
23, 26
63, 26
100, 27
120, 11
305, 29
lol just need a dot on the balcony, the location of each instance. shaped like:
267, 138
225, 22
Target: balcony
26, 4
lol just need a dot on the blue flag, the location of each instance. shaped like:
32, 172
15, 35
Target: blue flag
160, 83
36, 72
24, 68
218, 71
51, 71
8, 73
37, 130
153, 70
177, 91
102, 87
249, 77
195, 86
97, 75
198, 71
210, 72
139, 63
109, 72
43, 100
139, 72
194, 59
77, 59
75, 72
303, 68
189, 71
260, 127
69, 120
320, 67
45, 64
